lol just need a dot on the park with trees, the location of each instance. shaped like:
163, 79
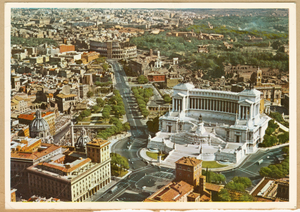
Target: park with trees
119, 165
235, 190
278, 117
142, 96
212, 177
278, 170
112, 110
142, 79
235, 29
274, 136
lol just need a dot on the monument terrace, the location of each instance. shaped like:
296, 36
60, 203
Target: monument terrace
213, 125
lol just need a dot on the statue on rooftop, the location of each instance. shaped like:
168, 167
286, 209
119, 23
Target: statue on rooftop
200, 118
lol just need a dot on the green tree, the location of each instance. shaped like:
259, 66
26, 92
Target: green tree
246, 198
86, 113
100, 102
96, 108
119, 162
270, 130
272, 123
285, 150
105, 115
167, 98
126, 126
79, 118
276, 44
283, 138
106, 112
142, 79
235, 186
105, 66
244, 180
224, 195
90, 94
145, 113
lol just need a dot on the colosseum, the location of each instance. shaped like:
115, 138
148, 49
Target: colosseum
114, 49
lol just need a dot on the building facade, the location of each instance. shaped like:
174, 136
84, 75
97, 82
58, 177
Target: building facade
65, 102
26, 152
74, 176
222, 125
114, 49
189, 184
240, 113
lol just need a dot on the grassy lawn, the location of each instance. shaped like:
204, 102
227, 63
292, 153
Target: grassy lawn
86, 119
154, 155
211, 164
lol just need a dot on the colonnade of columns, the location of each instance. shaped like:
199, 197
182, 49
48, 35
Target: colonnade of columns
244, 112
213, 105
177, 104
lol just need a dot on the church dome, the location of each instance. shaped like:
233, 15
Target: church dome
82, 140
39, 126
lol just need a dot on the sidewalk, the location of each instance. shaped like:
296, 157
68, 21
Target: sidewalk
101, 191
274, 147
143, 154
284, 128
114, 139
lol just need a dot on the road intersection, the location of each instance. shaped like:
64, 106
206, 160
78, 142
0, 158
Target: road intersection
146, 178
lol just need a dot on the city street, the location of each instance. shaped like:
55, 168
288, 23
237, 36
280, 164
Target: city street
250, 167
141, 182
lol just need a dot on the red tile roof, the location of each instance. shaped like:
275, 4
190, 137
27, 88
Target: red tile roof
35, 155
64, 169
172, 192
213, 187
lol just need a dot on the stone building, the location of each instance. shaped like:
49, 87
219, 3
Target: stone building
234, 124
189, 170
271, 91
15, 83
49, 117
66, 48
19, 104
271, 190
83, 90
40, 128
73, 176
189, 184
114, 49
26, 152
87, 57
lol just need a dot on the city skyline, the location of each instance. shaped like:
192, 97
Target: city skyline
156, 84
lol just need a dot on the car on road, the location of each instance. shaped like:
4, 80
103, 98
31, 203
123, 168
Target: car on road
113, 189
260, 161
